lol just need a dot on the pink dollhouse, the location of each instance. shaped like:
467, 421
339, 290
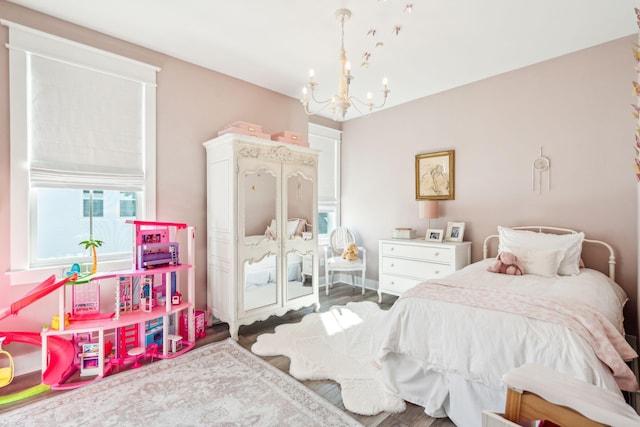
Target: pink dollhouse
145, 317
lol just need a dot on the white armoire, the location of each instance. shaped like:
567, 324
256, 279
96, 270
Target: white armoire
262, 256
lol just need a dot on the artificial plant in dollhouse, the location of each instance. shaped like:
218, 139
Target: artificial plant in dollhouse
92, 243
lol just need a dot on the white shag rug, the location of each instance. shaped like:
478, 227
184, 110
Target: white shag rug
336, 345
220, 384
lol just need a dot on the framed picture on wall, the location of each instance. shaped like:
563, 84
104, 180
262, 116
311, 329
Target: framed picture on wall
434, 235
455, 232
435, 176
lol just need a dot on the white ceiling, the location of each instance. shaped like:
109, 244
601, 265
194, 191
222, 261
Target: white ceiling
442, 44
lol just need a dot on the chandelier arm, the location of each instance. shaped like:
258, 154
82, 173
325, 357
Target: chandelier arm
326, 101
355, 106
365, 103
309, 113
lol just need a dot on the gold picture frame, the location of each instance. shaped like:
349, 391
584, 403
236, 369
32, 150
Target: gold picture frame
435, 176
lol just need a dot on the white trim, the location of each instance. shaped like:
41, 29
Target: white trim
31, 40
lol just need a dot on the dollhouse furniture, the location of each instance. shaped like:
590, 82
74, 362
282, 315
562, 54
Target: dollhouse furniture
138, 293
151, 351
137, 353
261, 196
175, 343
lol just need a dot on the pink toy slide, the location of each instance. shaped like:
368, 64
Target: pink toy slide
60, 351
43, 289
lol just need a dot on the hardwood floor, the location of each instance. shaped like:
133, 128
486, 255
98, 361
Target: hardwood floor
413, 416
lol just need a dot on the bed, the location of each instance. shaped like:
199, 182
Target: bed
448, 342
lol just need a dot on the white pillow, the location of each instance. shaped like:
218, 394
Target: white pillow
541, 262
524, 239
292, 226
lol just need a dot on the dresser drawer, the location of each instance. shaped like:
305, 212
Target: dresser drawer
412, 268
397, 285
426, 253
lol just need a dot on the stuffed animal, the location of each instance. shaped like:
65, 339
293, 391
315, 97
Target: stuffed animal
506, 263
350, 252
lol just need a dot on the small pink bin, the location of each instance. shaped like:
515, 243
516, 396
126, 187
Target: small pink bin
290, 138
244, 132
251, 127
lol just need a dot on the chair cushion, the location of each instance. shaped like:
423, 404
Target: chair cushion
337, 262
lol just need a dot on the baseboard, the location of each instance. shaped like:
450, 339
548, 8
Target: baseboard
346, 279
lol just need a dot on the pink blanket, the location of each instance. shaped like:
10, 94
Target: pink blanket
607, 343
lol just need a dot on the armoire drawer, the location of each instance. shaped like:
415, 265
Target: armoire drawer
425, 253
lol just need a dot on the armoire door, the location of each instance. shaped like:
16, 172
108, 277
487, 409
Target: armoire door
259, 208
299, 245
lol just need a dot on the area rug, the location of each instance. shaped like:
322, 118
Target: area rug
220, 384
336, 345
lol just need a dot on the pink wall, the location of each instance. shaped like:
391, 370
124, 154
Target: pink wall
193, 104
576, 107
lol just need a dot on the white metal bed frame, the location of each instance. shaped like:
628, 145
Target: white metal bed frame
556, 230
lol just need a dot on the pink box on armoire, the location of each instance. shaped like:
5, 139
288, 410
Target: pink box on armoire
290, 138
245, 128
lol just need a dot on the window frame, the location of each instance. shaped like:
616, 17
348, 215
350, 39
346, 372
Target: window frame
325, 139
22, 198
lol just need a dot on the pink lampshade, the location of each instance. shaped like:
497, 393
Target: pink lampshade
429, 209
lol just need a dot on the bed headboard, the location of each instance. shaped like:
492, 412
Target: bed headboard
556, 230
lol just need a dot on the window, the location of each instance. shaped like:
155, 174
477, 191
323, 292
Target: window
327, 141
128, 201
64, 218
82, 152
92, 203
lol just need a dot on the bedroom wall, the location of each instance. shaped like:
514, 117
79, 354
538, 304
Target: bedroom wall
576, 107
193, 104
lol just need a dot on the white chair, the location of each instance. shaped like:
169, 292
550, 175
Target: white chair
338, 241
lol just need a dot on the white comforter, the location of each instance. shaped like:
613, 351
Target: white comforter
450, 358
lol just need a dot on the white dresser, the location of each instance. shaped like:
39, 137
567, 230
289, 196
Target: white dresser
405, 263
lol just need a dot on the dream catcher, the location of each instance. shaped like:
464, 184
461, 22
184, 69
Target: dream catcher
541, 166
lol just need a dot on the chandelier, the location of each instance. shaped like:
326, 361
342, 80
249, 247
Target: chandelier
341, 102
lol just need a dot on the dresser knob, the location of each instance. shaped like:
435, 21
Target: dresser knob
437, 254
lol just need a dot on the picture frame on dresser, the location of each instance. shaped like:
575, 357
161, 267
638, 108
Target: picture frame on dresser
455, 232
434, 235
435, 176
